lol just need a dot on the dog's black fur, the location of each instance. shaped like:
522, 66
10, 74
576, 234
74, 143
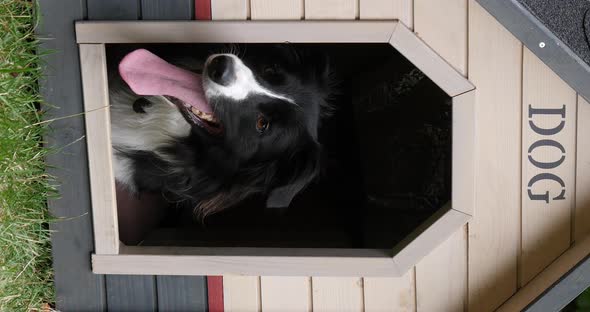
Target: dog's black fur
213, 172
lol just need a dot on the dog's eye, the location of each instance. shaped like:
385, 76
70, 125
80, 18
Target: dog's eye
262, 124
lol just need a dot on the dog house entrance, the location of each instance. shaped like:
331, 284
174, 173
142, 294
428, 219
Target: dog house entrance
386, 164
397, 168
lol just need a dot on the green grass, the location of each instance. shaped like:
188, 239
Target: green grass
25, 251
580, 304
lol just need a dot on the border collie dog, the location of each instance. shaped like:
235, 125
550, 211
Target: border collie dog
244, 126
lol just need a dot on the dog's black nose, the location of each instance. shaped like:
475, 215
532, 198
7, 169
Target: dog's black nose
221, 70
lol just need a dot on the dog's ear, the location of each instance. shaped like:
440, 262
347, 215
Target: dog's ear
303, 166
282, 196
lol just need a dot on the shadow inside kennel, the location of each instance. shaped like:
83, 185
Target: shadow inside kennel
386, 164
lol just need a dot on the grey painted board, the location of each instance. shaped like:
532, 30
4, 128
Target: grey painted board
77, 289
113, 9
182, 293
131, 293
565, 290
167, 9
555, 53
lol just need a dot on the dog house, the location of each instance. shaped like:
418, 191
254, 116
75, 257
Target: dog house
513, 248
527, 153
113, 257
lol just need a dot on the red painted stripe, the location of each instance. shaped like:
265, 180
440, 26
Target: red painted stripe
203, 9
215, 293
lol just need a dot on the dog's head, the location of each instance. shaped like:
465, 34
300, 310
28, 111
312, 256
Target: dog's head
262, 133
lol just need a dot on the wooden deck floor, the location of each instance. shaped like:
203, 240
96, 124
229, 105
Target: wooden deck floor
511, 239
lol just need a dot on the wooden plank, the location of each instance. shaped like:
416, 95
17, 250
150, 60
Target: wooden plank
215, 293
463, 163
203, 9
181, 293
167, 9
230, 9
98, 135
430, 63
578, 252
388, 9
276, 9
495, 62
232, 31
246, 261
549, 122
391, 294
443, 26
438, 228
131, 293
76, 287
113, 10
285, 293
441, 277
582, 209
331, 9
337, 293
241, 293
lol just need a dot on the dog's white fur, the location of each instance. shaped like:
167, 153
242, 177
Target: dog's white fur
244, 85
147, 131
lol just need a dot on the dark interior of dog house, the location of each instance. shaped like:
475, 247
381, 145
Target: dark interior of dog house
386, 165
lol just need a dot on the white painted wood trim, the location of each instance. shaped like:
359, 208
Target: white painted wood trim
98, 137
425, 238
233, 31
429, 62
246, 261
463, 167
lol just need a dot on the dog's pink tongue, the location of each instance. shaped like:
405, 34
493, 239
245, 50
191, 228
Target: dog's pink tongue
147, 74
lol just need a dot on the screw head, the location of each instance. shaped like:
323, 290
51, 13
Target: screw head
541, 44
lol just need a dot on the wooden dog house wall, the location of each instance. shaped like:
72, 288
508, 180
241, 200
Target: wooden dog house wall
512, 249
112, 257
